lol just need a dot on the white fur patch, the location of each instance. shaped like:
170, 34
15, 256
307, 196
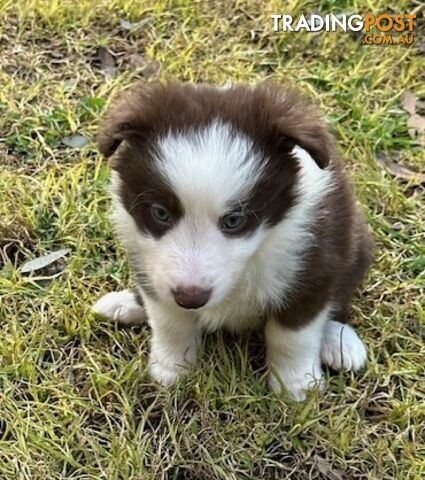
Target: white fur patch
121, 307
209, 167
272, 273
174, 342
342, 347
314, 181
294, 355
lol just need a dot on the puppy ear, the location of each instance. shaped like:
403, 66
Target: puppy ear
311, 135
124, 120
299, 123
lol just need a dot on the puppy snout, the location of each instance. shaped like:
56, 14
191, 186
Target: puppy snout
191, 297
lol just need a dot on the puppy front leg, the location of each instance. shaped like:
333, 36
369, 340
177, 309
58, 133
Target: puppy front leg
175, 340
124, 307
294, 355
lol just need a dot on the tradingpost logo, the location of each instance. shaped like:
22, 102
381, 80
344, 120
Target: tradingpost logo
384, 29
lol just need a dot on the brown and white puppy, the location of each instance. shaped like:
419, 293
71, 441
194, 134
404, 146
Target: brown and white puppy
234, 211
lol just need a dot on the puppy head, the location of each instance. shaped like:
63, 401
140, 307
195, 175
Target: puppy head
202, 175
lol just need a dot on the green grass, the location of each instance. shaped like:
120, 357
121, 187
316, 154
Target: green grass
75, 398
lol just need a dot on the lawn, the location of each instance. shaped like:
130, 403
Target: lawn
75, 398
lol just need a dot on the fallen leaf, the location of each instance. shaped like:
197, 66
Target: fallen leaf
401, 171
43, 261
151, 69
329, 472
408, 102
127, 25
420, 105
136, 60
107, 61
132, 26
75, 141
416, 123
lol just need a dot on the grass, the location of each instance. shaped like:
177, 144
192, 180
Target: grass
75, 399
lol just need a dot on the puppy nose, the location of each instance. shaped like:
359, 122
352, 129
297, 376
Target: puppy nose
191, 297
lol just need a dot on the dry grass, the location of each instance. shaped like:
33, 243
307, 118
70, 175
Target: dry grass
75, 399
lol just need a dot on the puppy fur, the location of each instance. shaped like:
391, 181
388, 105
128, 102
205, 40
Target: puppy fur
261, 157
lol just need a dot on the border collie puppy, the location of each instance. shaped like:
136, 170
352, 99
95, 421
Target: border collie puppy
234, 211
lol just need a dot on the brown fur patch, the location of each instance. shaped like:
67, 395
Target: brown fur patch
337, 262
142, 186
274, 118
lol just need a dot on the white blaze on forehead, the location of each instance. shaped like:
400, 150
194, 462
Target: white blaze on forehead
213, 164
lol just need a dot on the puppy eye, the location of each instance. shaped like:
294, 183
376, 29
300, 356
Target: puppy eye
160, 213
233, 221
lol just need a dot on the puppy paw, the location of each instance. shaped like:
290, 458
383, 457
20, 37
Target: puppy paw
342, 347
121, 307
164, 374
296, 381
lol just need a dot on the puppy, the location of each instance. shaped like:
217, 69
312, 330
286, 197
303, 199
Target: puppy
234, 211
